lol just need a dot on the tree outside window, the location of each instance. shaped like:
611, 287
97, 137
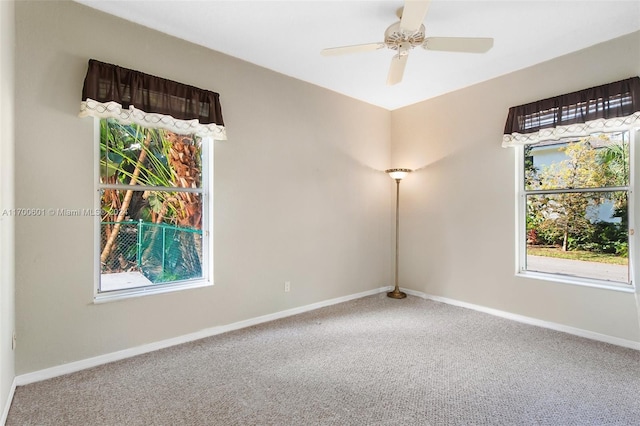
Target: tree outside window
151, 195
577, 206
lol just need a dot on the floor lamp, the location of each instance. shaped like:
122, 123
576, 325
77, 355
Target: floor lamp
397, 175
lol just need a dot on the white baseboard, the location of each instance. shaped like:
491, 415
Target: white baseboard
72, 367
7, 405
531, 321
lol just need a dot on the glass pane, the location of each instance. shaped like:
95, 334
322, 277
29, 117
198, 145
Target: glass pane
149, 238
598, 161
131, 154
580, 234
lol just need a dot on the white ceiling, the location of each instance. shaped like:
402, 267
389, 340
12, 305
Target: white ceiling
287, 36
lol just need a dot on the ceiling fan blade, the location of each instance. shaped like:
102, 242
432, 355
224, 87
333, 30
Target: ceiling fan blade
413, 15
459, 44
333, 51
396, 71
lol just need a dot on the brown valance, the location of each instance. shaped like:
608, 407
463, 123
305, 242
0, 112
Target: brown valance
609, 106
133, 96
617, 99
106, 82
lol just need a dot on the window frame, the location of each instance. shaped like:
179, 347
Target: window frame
207, 227
521, 227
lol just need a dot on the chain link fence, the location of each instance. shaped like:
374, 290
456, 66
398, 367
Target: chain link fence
123, 254
161, 252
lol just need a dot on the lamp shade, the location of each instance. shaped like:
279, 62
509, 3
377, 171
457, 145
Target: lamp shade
398, 174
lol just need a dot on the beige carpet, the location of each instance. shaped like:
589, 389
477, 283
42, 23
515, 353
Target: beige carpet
372, 361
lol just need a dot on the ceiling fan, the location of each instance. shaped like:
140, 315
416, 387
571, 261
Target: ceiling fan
408, 33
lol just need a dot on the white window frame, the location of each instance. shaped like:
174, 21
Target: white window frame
207, 234
521, 227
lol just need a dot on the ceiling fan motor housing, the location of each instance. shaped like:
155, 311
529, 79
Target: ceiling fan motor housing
396, 38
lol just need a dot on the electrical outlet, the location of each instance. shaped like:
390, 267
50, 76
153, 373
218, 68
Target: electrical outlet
287, 286
13, 341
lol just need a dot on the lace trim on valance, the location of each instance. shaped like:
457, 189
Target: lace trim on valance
132, 115
573, 130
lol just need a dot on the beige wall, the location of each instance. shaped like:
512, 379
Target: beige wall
299, 192
7, 312
458, 213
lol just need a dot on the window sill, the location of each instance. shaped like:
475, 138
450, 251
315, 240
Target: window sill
112, 296
582, 282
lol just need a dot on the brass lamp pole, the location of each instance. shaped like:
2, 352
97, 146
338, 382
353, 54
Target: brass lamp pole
397, 175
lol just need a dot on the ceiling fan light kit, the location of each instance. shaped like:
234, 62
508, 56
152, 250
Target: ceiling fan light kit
395, 36
409, 33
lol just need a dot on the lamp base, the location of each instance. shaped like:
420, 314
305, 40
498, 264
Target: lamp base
396, 294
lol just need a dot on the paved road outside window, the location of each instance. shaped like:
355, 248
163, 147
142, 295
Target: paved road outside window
579, 268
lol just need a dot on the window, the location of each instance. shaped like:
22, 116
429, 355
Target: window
575, 208
153, 191
153, 142
575, 166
